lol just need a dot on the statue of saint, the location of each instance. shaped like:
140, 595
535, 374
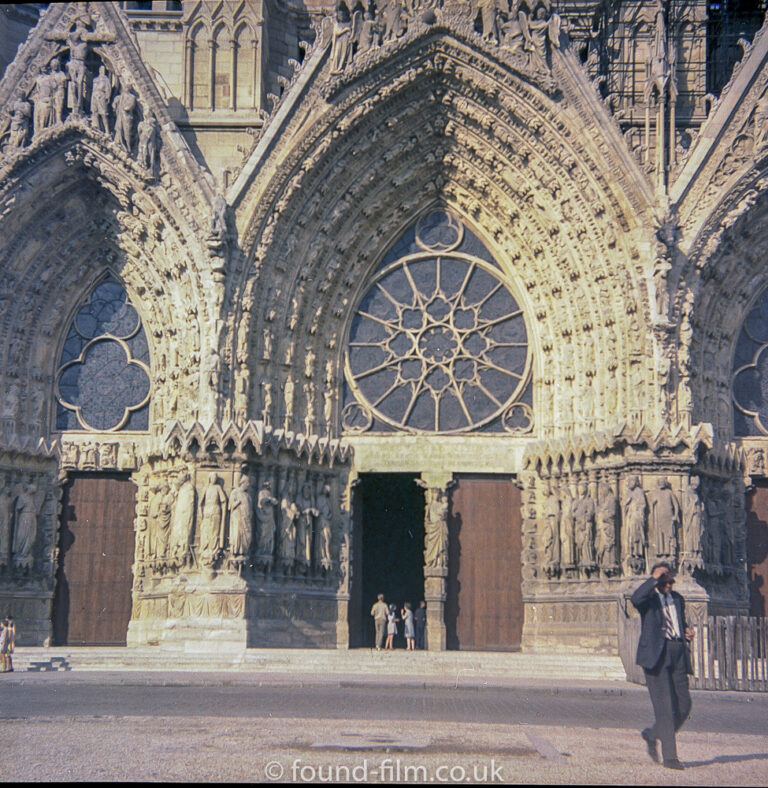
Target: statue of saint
663, 521
304, 527
606, 529
100, 95
567, 550
550, 532
341, 40
6, 522
583, 526
21, 112
43, 93
213, 505
125, 109
693, 525
289, 512
635, 509
241, 519
436, 529
183, 520
25, 532
59, 86
324, 529
147, 153
265, 517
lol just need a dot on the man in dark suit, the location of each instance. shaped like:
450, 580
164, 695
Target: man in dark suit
663, 654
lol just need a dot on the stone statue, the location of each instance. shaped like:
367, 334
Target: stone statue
635, 510
125, 110
25, 532
324, 529
661, 269
155, 502
367, 29
147, 153
213, 505
265, 517
76, 67
693, 515
218, 226
436, 529
489, 16
761, 122
607, 508
21, 113
305, 527
288, 390
663, 521
266, 410
341, 41
241, 519
100, 96
213, 370
286, 548
59, 86
183, 521
584, 523
43, 96
550, 532
567, 554
394, 26
6, 523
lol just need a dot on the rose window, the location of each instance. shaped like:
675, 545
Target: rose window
103, 381
438, 342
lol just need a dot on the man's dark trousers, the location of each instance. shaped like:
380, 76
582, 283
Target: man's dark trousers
668, 687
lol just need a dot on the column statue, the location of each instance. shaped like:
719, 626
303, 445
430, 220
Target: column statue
304, 528
24, 534
324, 529
693, 515
584, 523
265, 517
436, 528
635, 510
213, 505
286, 548
607, 508
550, 532
241, 520
663, 522
183, 521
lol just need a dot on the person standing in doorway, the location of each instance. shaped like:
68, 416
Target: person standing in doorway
408, 624
379, 612
392, 620
663, 654
420, 620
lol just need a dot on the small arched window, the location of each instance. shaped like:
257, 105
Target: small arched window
103, 376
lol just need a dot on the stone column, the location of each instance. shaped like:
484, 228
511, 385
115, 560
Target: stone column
436, 487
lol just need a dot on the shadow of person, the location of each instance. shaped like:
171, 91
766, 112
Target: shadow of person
756, 756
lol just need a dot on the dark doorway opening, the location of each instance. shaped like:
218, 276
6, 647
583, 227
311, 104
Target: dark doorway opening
392, 525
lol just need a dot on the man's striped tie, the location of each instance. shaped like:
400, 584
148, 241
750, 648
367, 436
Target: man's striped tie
669, 624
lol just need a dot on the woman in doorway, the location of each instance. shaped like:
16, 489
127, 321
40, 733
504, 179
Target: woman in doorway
392, 620
410, 629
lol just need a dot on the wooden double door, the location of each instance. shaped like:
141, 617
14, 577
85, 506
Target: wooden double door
757, 547
92, 602
484, 606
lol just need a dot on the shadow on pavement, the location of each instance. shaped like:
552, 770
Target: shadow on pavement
758, 756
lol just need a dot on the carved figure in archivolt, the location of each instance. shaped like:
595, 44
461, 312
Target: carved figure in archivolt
288, 391
101, 93
584, 524
635, 510
125, 110
43, 93
28, 503
6, 522
663, 521
324, 529
183, 521
265, 516
605, 538
241, 519
567, 547
436, 529
550, 531
693, 514
289, 512
213, 505
266, 410
305, 527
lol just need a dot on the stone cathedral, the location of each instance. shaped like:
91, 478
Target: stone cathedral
302, 301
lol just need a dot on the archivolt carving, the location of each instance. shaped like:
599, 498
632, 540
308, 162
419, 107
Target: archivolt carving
439, 146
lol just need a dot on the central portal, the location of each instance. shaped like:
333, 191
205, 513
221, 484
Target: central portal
392, 525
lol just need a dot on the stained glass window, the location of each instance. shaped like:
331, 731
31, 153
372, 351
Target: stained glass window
103, 382
438, 342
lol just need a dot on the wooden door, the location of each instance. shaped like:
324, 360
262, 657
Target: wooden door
92, 603
757, 548
484, 607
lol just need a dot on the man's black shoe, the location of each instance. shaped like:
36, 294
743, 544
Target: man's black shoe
650, 743
674, 764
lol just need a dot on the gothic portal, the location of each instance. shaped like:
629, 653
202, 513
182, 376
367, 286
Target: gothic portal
291, 288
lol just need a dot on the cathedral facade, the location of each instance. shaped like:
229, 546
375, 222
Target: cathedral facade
307, 301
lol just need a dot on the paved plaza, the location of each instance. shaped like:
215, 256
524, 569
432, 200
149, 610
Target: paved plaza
154, 726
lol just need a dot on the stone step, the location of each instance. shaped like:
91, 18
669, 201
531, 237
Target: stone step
350, 664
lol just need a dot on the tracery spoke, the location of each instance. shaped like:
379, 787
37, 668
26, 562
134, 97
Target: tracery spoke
387, 393
483, 324
465, 282
479, 384
487, 363
492, 293
386, 292
386, 323
460, 398
417, 390
417, 295
389, 363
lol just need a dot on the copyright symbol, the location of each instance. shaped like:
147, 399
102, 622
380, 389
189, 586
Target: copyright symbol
273, 770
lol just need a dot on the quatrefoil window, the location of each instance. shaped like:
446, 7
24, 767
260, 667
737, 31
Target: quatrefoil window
438, 342
103, 381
